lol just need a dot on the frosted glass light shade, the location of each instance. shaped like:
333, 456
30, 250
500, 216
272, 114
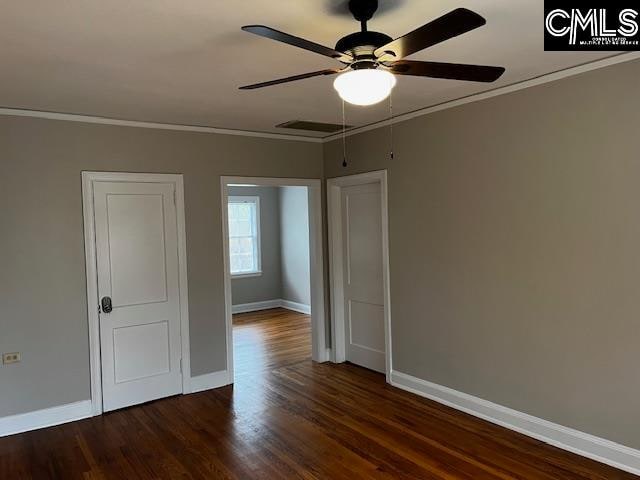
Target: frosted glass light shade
364, 87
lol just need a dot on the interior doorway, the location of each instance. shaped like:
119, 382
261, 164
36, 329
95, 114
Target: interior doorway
272, 240
359, 252
136, 287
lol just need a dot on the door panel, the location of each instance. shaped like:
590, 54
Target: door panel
136, 249
364, 242
137, 261
366, 326
141, 351
363, 285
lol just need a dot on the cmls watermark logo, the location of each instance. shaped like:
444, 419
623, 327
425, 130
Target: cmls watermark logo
576, 25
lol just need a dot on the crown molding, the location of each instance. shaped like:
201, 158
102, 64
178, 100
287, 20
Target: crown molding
72, 117
546, 78
533, 82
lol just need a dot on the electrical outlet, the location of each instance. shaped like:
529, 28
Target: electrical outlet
8, 358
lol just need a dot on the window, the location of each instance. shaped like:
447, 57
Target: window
244, 235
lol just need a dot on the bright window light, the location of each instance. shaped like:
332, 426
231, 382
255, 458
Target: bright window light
244, 235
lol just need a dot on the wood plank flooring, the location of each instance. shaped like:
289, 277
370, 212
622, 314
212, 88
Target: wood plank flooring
269, 339
287, 417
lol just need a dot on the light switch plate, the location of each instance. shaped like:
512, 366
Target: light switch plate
8, 358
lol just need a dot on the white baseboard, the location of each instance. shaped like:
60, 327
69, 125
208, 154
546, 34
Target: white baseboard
327, 355
210, 380
267, 304
70, 412
255, 306
581, 443
47, 417
296, 307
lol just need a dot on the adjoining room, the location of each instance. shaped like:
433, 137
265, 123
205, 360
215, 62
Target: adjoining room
270, 276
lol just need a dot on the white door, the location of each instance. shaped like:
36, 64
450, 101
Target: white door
363, 280
137, 262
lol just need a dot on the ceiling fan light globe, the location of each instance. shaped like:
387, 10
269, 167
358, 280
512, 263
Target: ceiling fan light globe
364, 87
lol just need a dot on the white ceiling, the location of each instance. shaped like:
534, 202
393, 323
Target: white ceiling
182, 61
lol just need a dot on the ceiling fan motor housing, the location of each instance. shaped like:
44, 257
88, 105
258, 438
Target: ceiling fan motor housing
361, 46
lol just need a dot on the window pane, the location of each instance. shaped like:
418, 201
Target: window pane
239, 228
241, 219
243, 241
240, 211
235, 264
241, 245
244, 211
241, 262
233, 212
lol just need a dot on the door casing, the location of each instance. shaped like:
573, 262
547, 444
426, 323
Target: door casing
88, 181
320, 351
334, 216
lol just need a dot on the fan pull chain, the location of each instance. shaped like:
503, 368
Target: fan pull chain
391, 126
344, 137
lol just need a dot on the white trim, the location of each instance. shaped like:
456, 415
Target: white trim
268, 304
208, 381
184, 287
95, 366
88, 179
226, 265
533, 82
47, 417
254, 199
316, 272
334, 223
72, 117
256, 306
296, 307
270, 182
238, 276
574, 441
318, 319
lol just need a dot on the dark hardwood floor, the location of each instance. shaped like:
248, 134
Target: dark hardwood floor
269, 339
287, 417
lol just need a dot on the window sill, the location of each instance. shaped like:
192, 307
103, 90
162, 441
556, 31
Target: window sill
246, 275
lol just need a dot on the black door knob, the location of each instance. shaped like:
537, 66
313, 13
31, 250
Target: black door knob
106, 304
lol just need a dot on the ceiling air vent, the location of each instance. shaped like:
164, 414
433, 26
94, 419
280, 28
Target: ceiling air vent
313, 126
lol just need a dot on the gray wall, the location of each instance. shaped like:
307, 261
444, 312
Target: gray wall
294, 237
514, 248
267, 286
284, 231
43, 310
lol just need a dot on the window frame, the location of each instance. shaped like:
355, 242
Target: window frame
253, 199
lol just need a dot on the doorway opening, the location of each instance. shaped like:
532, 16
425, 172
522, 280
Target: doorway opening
274, 293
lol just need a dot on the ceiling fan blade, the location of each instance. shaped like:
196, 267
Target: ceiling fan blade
329, 71
453, 71
279, 36
450, 25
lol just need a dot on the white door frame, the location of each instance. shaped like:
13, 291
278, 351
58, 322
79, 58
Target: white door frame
320, 353
334, 215
88, 179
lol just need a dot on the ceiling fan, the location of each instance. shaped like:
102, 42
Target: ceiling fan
372, 58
